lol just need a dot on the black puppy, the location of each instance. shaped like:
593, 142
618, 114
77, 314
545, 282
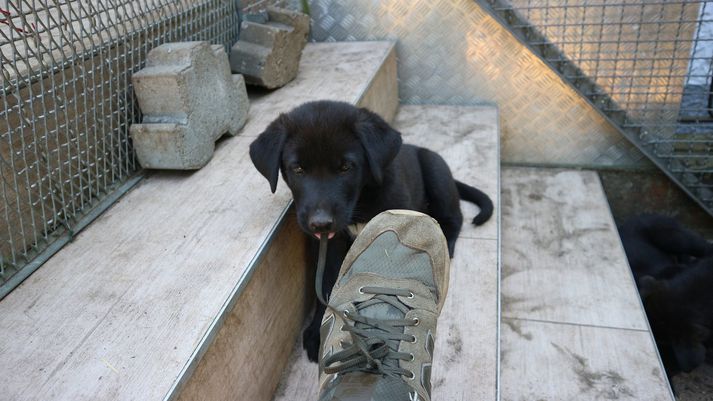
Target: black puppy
345, 165
673, 268
659, 246
680, 312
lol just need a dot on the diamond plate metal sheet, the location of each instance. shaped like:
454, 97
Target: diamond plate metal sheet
454, 52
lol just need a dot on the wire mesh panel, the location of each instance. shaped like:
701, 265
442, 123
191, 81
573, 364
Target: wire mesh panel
644, 64
67, 103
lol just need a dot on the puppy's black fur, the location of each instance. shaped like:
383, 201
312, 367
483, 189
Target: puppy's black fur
680, 312
673, 268
345, 165
659, 246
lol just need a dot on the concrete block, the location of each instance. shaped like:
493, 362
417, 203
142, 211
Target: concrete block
189, 99
268, 54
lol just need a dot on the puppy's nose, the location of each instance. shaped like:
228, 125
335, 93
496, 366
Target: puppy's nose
321, 222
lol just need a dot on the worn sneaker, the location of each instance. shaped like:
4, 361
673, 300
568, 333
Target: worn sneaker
379, 329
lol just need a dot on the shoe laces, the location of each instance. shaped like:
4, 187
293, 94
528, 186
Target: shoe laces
374, 345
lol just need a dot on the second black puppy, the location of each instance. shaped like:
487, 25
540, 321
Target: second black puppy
680, 312
673, 268
659, 246
345, 165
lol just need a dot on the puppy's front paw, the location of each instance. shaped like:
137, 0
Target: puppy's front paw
310, 342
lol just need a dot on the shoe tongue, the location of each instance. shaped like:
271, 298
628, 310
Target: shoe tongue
388, 257
382, 311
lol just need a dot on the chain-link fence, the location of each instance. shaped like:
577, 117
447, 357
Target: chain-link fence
67, 104
645, 64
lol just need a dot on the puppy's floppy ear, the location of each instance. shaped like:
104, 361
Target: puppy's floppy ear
380, 141
266, 150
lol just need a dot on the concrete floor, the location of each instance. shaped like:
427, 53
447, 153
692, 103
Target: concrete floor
695, 386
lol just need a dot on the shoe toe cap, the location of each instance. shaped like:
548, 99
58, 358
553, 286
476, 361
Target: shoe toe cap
360, 386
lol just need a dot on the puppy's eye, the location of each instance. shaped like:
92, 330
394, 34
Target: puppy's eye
346, 166
297, 169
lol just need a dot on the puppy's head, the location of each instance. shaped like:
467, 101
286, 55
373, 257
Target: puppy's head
327, 152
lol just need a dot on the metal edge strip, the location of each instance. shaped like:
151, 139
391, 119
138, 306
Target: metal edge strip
638, 297
499, 261
56, 245
207, 340
586, 166
382, 62
212, 332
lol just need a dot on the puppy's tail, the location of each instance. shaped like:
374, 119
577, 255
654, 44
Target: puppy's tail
478, 197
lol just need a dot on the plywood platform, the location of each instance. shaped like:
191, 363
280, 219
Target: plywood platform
465, 361
573, 327
127, 309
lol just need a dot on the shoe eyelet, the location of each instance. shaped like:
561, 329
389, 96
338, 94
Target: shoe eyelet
410, 295
361, 290
412, 357
414, 340
345, 313
416, 321
413, 376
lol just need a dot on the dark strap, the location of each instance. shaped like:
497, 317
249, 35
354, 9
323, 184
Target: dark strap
320, 268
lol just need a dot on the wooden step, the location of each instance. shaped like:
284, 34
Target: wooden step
190, 271
466, 352
573, 327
